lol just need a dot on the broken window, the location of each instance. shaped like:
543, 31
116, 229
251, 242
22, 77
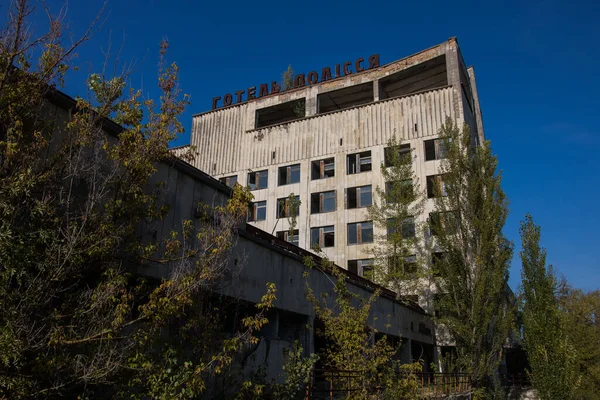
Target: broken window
443, 222
435, 184
291, 238
358, 197
258, 180
351, 96
435, 149
321, 169
323, 236
402, 264
388, 154
280, 113
406, 228
363, 267
427, 75
289, 174
398, 191
360, 232
257, 211
322, 202
358, 162
229, 180
284, 207
436, 259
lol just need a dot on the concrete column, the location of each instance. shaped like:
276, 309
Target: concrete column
311, 103
376, 90
406, 351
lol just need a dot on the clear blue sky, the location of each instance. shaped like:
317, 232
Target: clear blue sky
536, 64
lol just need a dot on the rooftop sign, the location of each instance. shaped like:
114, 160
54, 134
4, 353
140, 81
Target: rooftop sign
300, 80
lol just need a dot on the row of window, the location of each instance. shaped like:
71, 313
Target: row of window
362, 232
356, 197
321, 169
406, 264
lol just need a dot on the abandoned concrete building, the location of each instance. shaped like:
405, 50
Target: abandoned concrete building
325, 138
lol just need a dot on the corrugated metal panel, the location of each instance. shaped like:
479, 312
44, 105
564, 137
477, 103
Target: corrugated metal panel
221, 138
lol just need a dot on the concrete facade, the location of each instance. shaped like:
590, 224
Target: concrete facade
408, 99
258, 258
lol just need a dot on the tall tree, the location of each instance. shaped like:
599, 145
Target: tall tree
473, 256
76, 320
552, 358
399, 251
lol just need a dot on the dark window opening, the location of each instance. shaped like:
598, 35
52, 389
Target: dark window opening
345, 98
388, 154
424, 76
289, 174
435, 149
406, 228
443, 222
358, 162
322, 169
284, 207
358, 197
291, 238
436, 186
322, 202
280, 113
436, 259
399, 191
402, 264
229, 180
360, 232
258, 180
257, 211
323, 236
363, 267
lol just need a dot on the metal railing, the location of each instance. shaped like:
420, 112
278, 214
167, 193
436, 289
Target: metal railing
340, 384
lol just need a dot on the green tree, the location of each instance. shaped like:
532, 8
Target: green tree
364, 356
473, 298
550, 352
76, 205
399, 252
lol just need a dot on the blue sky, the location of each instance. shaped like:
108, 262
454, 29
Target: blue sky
536, 64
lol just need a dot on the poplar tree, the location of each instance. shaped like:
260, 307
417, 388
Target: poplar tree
551, 354
473, 256
399, 251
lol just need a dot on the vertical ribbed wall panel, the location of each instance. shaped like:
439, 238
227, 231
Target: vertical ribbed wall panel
220, 137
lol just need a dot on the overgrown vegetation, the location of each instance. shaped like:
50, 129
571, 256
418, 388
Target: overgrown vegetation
77, 223
473, 300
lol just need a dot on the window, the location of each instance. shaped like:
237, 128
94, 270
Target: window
229, 180
358, 162
435, 149
402, 265
362, 267
323, 236
289, 174
321, 169
407, 228
399, 190
435, 183
284, 207
258, 180
436, 259
257, 211
358, 197
285, 235
443, 222
388, 154
322, 202
280, 113
360, 232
